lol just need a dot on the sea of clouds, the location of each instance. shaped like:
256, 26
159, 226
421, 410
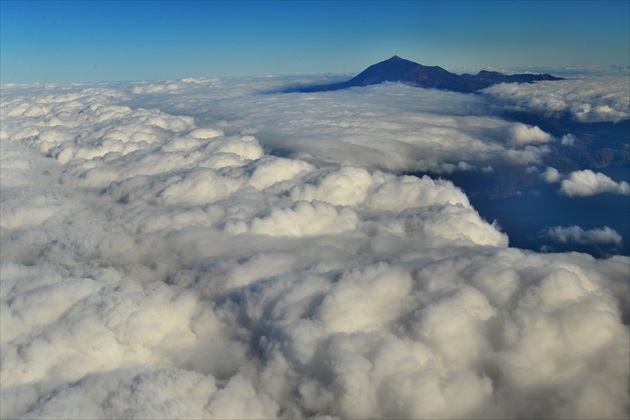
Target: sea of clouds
592, 98
206, 248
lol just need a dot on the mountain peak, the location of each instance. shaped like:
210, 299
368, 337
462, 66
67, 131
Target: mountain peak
397, 69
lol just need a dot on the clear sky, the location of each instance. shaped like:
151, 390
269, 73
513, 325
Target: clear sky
76, 41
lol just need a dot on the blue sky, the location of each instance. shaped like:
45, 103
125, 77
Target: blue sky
76, 41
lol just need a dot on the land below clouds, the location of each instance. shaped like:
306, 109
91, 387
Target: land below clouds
524, 204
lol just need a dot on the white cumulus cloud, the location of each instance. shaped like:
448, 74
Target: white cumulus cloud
586, 183
521, 134
575, 234
551, 175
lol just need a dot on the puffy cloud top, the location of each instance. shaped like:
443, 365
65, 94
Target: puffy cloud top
390, 127
586, 99
586, 183
521, 134
551, 175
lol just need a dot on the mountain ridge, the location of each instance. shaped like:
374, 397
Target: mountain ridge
397, 69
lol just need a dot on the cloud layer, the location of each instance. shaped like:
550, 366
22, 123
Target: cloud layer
586, 99
163, 264
390, 127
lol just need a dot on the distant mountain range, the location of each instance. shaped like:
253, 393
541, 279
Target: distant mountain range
398, 69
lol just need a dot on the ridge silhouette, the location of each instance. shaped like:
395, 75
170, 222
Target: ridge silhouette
397, 69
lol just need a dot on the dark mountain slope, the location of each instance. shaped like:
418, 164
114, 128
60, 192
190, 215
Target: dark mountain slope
493, 77
397, 69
